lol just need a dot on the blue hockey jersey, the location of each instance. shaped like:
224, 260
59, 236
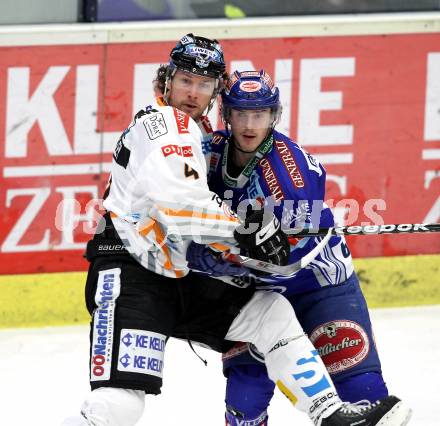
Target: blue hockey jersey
292, 182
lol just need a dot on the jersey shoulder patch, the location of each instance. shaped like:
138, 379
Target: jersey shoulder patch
155, 125
182, 121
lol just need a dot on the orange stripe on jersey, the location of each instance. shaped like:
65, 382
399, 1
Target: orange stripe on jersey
152, 225
219, 247
188, 213
179, 273
161, 101
160, 239
144, 230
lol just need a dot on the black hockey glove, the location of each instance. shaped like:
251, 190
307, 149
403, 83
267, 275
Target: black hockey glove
262, 238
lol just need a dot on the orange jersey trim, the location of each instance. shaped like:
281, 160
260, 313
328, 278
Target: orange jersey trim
188, 213
152, 225
219, 247
161, 101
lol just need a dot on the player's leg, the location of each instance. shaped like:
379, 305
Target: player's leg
269, 322
248, 394
338, 324
210, 306
110, 406
292, 362
133, 311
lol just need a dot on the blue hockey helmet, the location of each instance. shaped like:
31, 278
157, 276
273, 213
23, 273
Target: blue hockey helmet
198, 55
250, 90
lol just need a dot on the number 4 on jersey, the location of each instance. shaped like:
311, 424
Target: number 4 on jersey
189, 172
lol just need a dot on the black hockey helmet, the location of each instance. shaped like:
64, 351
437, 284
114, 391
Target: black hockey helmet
198, 55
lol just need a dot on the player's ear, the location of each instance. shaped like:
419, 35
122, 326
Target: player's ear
224, 78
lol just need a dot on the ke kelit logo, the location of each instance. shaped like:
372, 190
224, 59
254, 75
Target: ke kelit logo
250, 86
107, 291
183, 151
341, 344
141, 352
182, 121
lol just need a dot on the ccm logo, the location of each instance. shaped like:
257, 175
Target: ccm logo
183, 151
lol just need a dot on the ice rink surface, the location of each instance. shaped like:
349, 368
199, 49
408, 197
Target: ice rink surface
44, 375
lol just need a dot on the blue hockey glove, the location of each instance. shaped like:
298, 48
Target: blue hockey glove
202, 258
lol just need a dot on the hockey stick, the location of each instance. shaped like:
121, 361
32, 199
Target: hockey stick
287, 270
403, 228
327, 233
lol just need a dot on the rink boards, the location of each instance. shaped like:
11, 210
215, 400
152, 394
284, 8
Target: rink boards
36, 300
359, 92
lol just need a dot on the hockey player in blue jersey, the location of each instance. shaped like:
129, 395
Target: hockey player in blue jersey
251, 163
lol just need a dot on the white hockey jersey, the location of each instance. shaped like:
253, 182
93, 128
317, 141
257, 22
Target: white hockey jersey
158, 196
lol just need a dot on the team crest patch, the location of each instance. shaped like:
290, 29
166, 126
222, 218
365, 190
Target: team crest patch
155, 126
341, 344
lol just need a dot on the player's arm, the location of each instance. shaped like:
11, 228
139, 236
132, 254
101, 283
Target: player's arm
182, 201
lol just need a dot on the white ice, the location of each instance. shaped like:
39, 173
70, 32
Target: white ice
44, 373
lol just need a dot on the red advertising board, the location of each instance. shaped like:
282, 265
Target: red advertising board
367, 106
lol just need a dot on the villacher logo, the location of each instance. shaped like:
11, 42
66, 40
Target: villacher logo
341, 344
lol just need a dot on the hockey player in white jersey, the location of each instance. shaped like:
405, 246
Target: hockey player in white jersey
139, 290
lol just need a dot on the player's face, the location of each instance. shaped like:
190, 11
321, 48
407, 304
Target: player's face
250, 127
191, 93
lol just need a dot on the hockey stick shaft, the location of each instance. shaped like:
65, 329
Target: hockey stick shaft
327, 233
403, 228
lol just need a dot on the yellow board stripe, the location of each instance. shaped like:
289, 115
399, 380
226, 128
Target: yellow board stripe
38, 300
283, 388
